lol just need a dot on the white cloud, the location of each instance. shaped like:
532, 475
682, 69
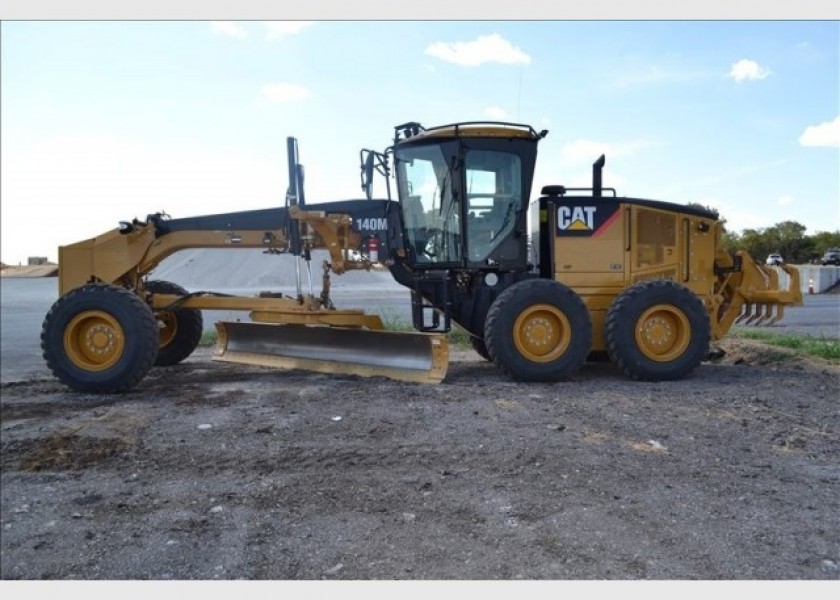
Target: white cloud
274, 93
746, 69
586, 151
494, 112
825, 134
280, 29
785, 200
484, 49
228, 28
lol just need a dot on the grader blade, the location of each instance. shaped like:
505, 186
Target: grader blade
403, 356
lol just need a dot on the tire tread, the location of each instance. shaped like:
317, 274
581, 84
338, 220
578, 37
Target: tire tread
620, 343
538, 291
99, 296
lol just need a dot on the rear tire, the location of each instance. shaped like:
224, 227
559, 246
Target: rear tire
657, 330
179, 330
99, 338
538, 330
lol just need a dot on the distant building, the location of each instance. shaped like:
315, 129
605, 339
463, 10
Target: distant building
37, 260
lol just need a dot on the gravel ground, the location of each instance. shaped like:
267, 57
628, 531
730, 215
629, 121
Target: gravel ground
218, 471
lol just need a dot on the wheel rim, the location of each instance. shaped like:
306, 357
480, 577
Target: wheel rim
663, 333
542, 333
94, 340
167, 327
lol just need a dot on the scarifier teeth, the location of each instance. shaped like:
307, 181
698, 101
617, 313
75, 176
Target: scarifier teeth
761, 315
745, 314
767, 313
752, 319
780, 312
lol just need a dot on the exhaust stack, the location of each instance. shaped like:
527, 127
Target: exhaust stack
597, 179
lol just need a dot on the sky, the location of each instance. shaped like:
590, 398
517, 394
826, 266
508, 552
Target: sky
104, 121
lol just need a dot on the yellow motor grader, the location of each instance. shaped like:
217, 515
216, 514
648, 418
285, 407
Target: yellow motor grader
645, 282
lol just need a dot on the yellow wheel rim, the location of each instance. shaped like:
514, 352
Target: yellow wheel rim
663, 333
167, 327
94, 340
542, 333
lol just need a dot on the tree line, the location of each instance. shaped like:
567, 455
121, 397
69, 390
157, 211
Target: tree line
787, 238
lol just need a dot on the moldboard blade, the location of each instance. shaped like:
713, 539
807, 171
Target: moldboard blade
404, 356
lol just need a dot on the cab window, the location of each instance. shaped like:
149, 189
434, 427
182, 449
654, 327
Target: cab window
494, 196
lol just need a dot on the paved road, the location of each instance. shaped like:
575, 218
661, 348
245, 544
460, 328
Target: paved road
819, 317
24, 302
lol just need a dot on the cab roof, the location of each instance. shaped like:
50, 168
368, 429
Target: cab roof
415, 132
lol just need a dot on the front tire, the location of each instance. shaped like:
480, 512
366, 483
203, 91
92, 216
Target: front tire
179, 330
538, 330
657, 330
99, 338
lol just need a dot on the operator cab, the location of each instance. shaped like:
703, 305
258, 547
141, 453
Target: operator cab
463, 190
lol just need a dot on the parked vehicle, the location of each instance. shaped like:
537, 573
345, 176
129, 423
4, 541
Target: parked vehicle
831, 257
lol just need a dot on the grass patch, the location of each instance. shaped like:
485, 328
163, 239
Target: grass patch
822, 347
392, 322
208, 338
457, 337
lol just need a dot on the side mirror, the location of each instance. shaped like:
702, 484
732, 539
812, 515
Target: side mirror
368, 158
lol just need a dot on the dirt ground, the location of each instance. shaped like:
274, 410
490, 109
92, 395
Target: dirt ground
218, 471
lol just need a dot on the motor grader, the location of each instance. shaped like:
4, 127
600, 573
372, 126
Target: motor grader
582, 273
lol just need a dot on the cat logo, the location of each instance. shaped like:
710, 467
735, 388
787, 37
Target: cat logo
576, 218
580, 218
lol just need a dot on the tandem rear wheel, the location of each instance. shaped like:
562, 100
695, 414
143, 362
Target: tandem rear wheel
538, 330
657, 330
